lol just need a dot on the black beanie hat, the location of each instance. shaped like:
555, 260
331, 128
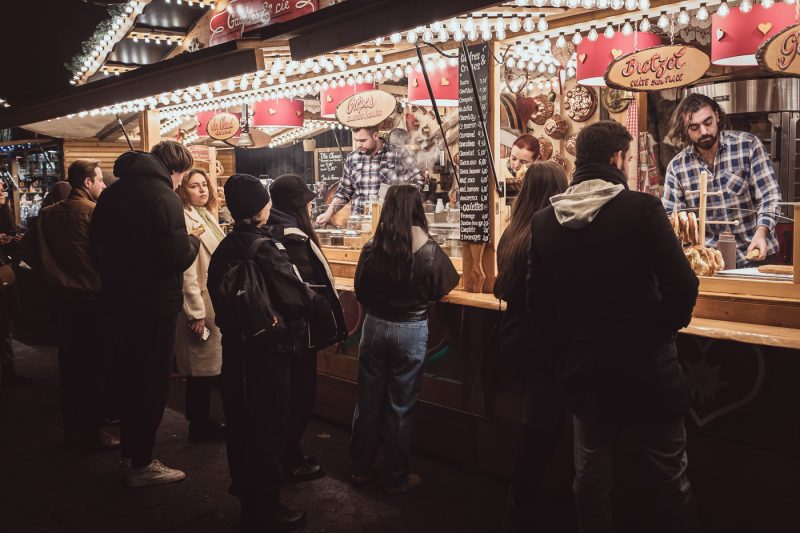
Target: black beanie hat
290, 192
245, 195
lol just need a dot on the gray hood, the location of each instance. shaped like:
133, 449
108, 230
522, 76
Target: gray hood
578, 206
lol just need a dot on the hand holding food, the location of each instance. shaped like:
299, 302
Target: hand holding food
754, 254
199, 230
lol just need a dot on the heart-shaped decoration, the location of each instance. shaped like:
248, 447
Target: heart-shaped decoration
526, 107
582, 57
616, 52
764, 27
445, 82
720, 34
298, 113
272, 111
416, 82
721, 376
329, 98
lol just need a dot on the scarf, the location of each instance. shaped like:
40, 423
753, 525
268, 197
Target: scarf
593, 170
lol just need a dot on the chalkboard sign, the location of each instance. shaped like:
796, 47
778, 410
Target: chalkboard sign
329, 164
473, 149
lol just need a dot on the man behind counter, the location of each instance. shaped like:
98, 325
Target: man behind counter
738, 165
373, 163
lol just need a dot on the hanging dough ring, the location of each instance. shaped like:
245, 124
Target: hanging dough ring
220, 170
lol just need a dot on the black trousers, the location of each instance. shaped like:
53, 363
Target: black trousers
255, 398
145, 350
198, 398
84, 361
301, 404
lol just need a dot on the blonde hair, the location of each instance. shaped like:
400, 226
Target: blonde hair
211, 204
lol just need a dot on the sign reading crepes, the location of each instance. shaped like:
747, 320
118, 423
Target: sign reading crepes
366, 109
222, 126
235, 17
656, 68
780, 53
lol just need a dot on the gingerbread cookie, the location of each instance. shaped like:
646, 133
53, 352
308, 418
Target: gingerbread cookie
580, 103
544, 109
556, 127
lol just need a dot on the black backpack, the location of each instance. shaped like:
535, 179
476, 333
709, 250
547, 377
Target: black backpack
244, 302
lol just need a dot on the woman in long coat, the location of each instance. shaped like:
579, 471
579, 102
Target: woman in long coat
197, 339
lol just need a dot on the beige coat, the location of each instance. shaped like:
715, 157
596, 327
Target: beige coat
194, 356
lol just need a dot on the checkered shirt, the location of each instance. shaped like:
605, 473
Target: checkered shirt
363, 174
750, 194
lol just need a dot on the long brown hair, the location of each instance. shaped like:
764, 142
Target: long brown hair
393, 253
304, 224
688, 106
543, 180
211, 204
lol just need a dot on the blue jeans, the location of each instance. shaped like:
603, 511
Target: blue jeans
390, 361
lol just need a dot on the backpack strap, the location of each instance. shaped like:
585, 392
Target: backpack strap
254, 246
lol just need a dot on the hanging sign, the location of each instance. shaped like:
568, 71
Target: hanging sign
366, 109
781, 53
233, 18
222, 126
657, 68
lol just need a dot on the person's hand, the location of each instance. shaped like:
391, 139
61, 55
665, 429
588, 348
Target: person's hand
760, 242
199, 230
197, 326
324, 217
5, 239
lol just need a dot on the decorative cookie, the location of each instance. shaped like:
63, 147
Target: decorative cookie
556, 127
570, 144
544, 109
580, 103
545, 148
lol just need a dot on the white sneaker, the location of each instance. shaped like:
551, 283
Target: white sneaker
155, 473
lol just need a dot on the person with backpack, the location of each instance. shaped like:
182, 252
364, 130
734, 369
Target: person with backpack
401, 271
290, 223
261, 304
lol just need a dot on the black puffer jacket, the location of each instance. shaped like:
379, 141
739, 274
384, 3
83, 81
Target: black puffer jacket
144, 247
325, 318
290, 296
433, 277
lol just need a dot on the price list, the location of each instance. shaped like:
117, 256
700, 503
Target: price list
473, 149
330, 165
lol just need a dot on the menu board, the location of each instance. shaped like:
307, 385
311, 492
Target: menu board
329, 164
473, 149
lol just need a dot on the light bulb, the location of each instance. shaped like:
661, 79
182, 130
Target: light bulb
528, 25
602, 4
561, 42
411, 36
644, 5
609, 31
500, 25
683, 17
378, 57
469, 25
444, 36
572, 4
570, 72
617, 4
484, 26
627, 29
587, 4
577, 38
542, 24
592, 34
487, 35
723, 9
473, 35
427, 35
458, 36
745, 6
644, 25
702, 13
511, 63
542, 68
395, 38
515, 25
364, 58
663, 21
398, 73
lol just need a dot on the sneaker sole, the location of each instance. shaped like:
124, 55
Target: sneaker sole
136, 482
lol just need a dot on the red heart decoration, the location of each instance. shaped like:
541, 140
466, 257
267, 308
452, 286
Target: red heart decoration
526, 107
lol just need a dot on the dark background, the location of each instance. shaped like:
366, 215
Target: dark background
37, 38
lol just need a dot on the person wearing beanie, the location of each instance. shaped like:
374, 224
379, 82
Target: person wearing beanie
255, 379
290, 223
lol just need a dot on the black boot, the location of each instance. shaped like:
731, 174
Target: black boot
259, 516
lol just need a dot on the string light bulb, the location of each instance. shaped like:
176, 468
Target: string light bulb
542, 24
683, 17
723, 9
766, 4
577, 38
561, 42
663, 21
644, 5
745, 6
702, 13
609, 31
592, 36
644, 25
627, 29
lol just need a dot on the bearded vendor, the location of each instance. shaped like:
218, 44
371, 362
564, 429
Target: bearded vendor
740, 175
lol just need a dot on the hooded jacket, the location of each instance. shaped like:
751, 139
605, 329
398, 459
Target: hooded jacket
142, 240
433, 276
325, 318
608, 287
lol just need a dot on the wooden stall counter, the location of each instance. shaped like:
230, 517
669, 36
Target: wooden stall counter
456, 296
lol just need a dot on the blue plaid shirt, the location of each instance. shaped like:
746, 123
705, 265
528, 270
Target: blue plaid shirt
743, 172
363, 174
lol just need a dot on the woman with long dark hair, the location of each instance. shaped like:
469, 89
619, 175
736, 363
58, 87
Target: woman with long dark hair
401, 271
290, 223
543, 423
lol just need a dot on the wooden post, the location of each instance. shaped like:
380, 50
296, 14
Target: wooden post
701, 216
796, 246
149, 129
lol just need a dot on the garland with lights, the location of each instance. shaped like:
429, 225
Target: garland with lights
116, 12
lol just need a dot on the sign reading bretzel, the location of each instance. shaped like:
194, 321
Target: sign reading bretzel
781, 53
657, 68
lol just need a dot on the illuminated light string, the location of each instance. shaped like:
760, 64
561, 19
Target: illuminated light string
274, 80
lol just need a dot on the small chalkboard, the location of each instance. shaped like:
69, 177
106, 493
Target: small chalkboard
473, 149
329, 164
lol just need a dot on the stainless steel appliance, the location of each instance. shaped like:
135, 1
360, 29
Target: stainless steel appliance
770, 109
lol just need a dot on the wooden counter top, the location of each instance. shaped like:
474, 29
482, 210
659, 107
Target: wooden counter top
776, 336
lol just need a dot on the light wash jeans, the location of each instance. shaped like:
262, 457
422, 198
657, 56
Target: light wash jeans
390, 362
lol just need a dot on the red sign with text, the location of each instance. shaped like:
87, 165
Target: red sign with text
234, 18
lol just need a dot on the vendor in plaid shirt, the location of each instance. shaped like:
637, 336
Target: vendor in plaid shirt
372, 163
737, 164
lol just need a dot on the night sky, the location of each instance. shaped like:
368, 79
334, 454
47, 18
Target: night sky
37, 38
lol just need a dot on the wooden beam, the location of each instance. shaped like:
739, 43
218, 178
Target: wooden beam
149, 129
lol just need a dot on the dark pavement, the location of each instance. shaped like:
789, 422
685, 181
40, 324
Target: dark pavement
44, 488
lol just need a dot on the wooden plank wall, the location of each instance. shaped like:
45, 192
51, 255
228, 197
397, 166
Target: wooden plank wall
106, 152
228, 160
